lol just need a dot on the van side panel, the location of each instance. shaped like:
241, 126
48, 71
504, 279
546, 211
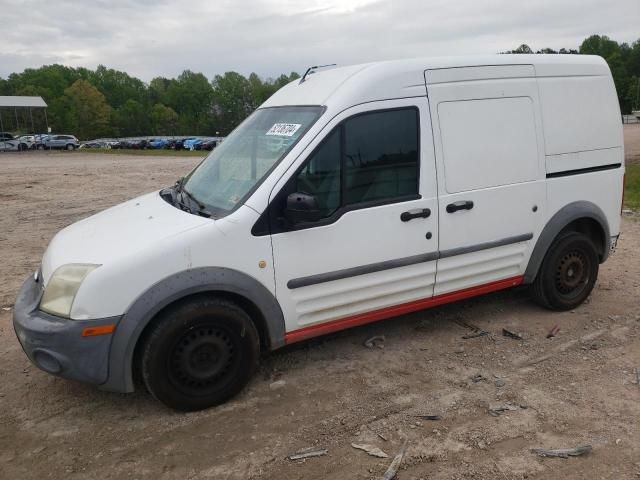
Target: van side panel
584, 153
490, 155
579, 114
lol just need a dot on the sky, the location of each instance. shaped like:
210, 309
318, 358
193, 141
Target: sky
150, 38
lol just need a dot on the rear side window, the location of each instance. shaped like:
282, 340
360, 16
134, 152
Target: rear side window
488, 143
372, 157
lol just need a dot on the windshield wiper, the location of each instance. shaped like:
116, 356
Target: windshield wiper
182, 192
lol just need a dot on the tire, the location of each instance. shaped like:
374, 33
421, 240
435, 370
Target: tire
70, 147
568, 272
200, 354
40, 147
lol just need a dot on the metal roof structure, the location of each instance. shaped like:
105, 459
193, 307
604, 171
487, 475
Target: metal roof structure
18, 102
22, 102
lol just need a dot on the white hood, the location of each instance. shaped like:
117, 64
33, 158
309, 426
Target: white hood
119, 231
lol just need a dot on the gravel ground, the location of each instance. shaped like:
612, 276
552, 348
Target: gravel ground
632, 142
577, 388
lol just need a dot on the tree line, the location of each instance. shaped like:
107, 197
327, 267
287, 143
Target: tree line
106, 102
623, 60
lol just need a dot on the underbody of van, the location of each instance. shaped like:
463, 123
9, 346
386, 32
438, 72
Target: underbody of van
352, 195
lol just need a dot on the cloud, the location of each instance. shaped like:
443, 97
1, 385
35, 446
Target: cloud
149, 38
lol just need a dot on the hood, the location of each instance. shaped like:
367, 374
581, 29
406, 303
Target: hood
117, 232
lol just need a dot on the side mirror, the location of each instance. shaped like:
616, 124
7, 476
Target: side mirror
302, 207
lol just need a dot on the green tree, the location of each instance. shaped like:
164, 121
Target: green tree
164, 120
88, 111
614, 54
234, 100
131, 119
190, 96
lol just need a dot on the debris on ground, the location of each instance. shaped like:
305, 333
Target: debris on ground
554, 331
370, 449
637, 376
497, 410
429, 417
278, 384
6, 309
478, 377
510, 334
500, 383
308, 453
382, 437
475, 331
563, 452
395, 464
376, 341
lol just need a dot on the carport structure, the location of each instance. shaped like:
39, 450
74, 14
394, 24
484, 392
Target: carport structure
17, 103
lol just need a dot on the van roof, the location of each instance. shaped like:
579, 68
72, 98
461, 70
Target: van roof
355, 84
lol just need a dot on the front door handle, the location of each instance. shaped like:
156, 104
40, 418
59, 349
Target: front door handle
417, 213
462, 205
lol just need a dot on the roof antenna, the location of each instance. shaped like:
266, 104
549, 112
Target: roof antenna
311, 70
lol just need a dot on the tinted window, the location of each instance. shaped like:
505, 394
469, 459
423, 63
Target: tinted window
321, 174
370, 157
381, 156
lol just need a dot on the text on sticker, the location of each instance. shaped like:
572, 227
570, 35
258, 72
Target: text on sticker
284, 129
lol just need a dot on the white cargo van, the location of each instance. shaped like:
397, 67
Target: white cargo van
352, 195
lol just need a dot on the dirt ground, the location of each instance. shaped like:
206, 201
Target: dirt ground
632, 143
577, 388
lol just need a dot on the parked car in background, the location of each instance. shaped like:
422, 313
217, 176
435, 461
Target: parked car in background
16, 144
158, 143
191, 143
137, 144
67, 142
27, 142
94, 144
206, 145
39, 141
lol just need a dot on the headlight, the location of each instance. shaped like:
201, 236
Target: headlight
62, 288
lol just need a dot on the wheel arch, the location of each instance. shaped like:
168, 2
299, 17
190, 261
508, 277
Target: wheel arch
584, 217
250, 294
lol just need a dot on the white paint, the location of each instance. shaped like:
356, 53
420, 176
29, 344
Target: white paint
488, 142
487, 136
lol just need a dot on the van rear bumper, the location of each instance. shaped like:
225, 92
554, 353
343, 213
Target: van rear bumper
56, 344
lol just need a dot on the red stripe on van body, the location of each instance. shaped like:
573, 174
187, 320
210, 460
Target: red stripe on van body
394, 311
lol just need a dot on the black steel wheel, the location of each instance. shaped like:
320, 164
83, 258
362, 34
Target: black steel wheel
199, 354
568, 272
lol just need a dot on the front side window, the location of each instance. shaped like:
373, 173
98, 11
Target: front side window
371, 157
243, 159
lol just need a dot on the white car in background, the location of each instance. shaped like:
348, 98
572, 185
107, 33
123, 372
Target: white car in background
16, 144
27, 142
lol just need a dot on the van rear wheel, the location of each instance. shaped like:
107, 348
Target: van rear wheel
200, 354
568, 273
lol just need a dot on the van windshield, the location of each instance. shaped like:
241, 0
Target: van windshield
237, 166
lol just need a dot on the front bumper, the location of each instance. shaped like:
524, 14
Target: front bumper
56, 344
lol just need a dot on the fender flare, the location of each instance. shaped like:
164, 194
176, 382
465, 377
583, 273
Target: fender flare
173, 288
562, 218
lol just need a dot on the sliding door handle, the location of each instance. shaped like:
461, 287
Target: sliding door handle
417, 213
462, 205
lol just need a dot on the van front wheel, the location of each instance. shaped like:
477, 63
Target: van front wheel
200, 354
568, 273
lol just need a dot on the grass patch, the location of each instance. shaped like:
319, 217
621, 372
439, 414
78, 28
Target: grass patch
146, 153
632, 187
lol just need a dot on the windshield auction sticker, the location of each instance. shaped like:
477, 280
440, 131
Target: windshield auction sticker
284, 129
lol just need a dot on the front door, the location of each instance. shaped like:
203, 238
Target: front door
372, 251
